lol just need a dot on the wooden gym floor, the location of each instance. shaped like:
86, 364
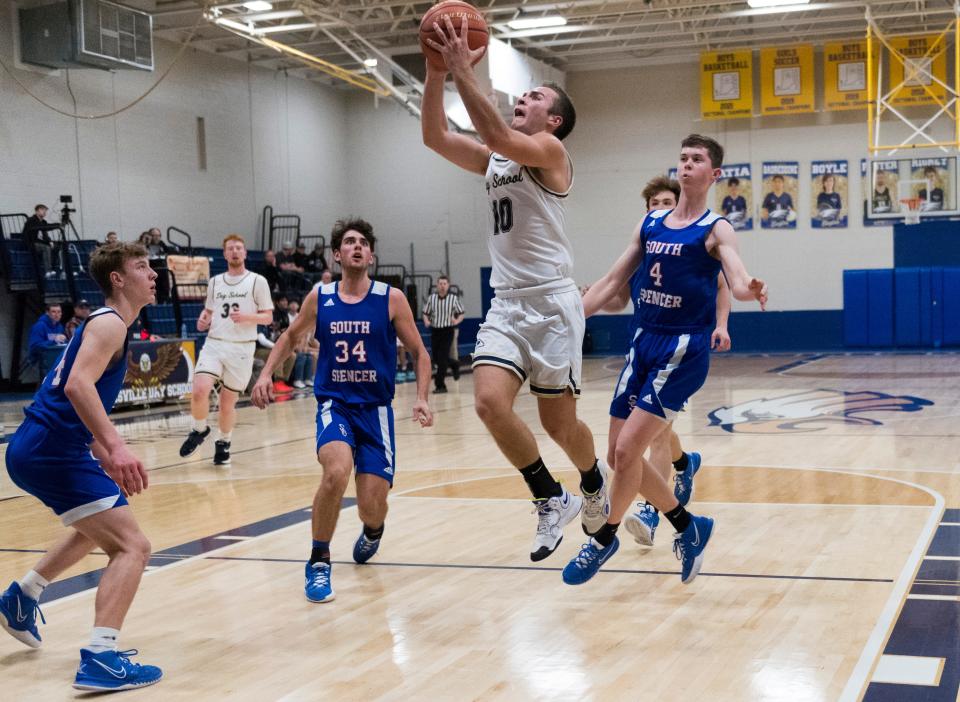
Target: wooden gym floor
834, 572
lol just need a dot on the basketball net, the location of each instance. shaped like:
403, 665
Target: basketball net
911, 209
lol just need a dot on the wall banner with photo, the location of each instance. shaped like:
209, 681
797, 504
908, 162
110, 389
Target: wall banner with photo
869, 202
921, 59
726, 84
829, 194
786, 80
845, 75
931, 182
734, 195
934, 182
781, 186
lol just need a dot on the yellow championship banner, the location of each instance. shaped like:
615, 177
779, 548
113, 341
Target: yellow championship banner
919, 57
845, 75
786, 80
726, 84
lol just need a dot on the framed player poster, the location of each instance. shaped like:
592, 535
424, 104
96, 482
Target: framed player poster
829, 194
781, 186
734, 196
933, 183
867, 190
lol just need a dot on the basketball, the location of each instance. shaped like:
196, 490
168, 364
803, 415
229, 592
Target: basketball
477, 32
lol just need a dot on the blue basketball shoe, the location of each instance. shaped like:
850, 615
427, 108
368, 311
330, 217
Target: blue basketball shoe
364, 548
112, 670
20, 615
643, 524
317, 586
586, 563
688, 547
683, 481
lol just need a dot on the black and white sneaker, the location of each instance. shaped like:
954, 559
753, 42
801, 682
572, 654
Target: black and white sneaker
221, 454
194, 439
552, 515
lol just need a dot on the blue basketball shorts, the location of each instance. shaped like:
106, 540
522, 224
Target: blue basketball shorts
368, 429
64, 477
661, 373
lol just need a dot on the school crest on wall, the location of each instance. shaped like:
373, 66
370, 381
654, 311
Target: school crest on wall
812, 410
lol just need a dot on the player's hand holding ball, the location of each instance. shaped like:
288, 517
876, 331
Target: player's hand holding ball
453, 35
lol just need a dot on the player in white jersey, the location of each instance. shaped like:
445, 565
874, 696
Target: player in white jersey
237, 301
534, 329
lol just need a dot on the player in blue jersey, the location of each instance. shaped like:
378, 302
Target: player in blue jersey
734, 206
660, 193
672, 264
829, 202
357, 322
68, 454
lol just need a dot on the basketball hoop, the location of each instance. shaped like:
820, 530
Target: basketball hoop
911, 209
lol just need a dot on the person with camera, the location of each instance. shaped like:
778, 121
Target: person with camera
36, 234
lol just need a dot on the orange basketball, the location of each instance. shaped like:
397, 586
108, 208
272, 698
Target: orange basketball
477, 33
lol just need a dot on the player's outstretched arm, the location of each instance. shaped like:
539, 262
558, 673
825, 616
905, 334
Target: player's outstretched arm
722, 243
102, 339
406, 328
305, 323
720, 339
540, 150
609, 288
456, 148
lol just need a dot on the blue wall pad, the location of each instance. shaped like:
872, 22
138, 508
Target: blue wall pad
926, 244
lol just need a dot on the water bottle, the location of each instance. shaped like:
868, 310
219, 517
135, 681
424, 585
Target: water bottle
183, 330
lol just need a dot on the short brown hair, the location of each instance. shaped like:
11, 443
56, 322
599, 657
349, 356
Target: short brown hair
658, 185
233, 237
356, 224
714, 150
109, 258
563, 107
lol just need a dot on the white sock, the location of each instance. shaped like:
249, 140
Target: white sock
200, 425
33, 585
103, 638
225, 435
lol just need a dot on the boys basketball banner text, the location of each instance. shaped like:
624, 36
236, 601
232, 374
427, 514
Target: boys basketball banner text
845, 75
726, 84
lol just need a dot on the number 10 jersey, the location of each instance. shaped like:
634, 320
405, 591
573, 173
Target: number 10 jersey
528, 246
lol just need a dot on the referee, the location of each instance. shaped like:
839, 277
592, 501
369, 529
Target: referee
442, 313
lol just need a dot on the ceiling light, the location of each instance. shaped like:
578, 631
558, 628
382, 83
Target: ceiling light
240, 27
538, 22
285, 28
370, 62
776, 3
267, 16
258, 6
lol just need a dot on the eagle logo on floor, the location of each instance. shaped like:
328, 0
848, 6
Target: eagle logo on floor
813, 410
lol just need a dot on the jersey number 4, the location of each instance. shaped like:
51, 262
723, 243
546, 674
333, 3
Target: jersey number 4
502, 215
656, 274
344, 351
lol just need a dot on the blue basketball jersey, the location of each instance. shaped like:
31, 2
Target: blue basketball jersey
674, 290
52, 408
358, 347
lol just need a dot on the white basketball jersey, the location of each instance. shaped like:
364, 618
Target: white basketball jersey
528, 247
248, 294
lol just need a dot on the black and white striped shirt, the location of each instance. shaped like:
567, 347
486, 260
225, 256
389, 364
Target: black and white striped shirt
442, 310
